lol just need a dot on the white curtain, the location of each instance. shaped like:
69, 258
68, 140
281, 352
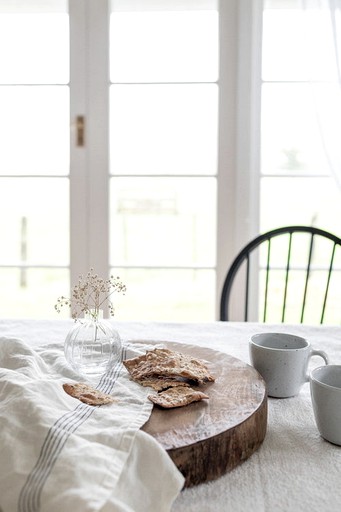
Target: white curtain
323, 49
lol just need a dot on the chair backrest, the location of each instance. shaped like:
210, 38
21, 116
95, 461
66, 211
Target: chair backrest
294, 274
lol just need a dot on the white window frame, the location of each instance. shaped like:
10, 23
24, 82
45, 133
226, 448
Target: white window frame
89, 97
239, 131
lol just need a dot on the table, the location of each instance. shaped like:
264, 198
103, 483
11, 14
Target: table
294, 469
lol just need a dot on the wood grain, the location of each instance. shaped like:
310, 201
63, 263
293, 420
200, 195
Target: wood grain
209, 438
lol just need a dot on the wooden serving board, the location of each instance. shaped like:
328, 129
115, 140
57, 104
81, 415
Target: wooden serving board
209, 438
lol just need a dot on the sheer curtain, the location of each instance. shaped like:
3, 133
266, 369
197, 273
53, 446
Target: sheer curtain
322, 27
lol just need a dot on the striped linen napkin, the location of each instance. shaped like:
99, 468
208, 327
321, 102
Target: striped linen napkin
59, 454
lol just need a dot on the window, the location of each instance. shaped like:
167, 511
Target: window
143, 194
299, 76
300, 90
199, 132
34, 157
163, 156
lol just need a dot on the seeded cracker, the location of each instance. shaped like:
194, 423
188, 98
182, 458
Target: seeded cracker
177, 397
171, 374
165, 363
160, 383
88, 394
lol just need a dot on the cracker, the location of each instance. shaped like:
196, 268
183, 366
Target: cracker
88, 394
160, 383
168, 364
177, 397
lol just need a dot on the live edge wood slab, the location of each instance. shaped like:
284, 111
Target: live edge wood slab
209, 438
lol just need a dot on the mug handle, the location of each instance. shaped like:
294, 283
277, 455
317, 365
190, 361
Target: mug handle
320, 353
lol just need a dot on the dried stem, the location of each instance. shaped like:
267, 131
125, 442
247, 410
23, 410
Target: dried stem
90, 293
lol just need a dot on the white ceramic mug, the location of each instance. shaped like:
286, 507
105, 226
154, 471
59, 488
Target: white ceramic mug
282, 360
325, 389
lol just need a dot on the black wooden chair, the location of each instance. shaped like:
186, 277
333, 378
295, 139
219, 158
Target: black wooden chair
290, 274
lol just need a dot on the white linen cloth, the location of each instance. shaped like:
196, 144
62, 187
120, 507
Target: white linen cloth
57, 453
294, 469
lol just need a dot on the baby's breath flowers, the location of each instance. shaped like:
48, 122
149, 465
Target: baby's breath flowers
90, 294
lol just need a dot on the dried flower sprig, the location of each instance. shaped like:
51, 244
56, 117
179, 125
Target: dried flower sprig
90, 294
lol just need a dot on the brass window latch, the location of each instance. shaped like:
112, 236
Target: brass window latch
80, 131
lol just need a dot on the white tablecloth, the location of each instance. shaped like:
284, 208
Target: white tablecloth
294, 469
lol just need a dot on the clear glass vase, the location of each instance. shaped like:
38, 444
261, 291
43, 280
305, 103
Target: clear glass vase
92, 346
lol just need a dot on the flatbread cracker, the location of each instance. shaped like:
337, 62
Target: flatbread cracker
88, 394
168, 364
160, 383
177, 397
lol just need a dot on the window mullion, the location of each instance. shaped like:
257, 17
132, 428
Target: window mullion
239, 130
226, 142
98, 134
79, 200
89, 163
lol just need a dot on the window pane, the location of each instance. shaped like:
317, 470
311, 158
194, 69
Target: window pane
35, 225
163, 129
34, 42
306, 201
291, 134
166, 295
32, 293
163, 221
163, 124
34, 130
144, 48
298, 42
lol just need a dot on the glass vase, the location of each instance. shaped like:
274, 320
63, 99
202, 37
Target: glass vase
92, 346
